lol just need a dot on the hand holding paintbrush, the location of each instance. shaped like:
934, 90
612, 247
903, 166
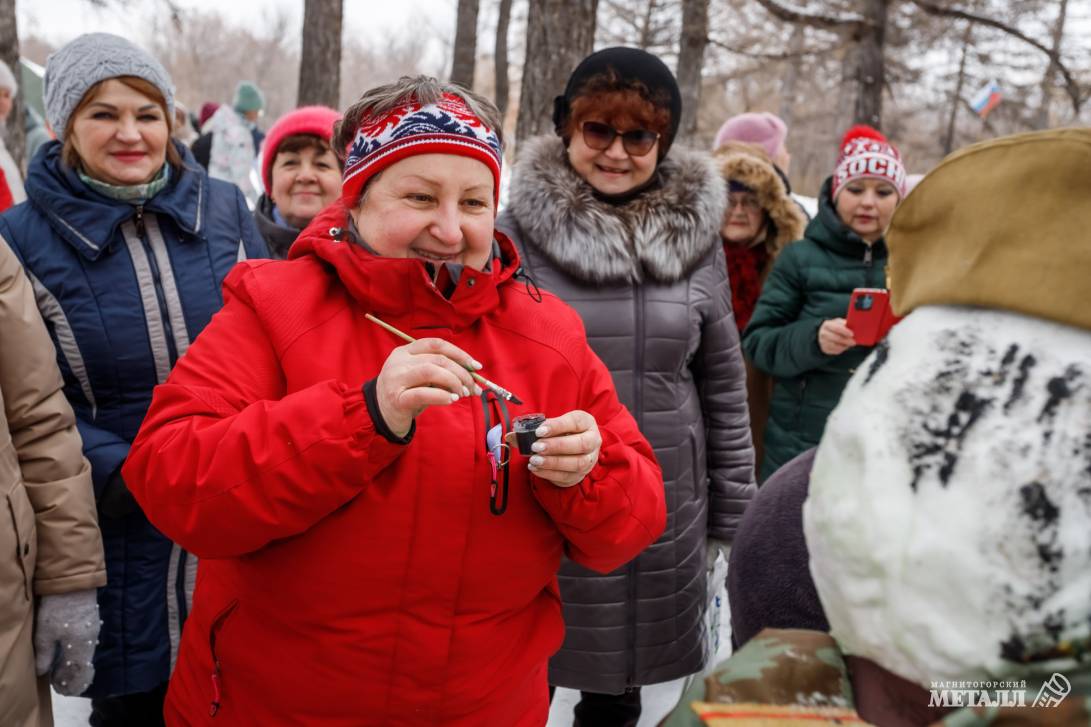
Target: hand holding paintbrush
427, 372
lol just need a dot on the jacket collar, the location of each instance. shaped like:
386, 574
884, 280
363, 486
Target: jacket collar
89, 221
402, 288
661, 234
830, 232
279, 237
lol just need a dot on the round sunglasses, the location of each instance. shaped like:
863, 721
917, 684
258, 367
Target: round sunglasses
599, 136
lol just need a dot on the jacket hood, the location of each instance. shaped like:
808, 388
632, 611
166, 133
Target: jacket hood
660, 234
89, 221
748, 165
829, 231
403, 286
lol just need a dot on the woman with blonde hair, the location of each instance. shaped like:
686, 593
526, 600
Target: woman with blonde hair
125, 241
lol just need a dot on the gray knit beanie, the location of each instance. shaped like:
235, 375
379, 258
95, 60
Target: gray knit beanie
91, 58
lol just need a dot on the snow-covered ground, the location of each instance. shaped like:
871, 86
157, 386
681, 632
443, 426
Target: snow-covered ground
658, 700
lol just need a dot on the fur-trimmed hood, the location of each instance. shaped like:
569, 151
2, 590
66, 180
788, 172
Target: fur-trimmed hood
749, 165
661, 234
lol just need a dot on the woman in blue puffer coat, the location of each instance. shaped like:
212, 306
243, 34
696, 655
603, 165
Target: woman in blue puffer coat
126, 242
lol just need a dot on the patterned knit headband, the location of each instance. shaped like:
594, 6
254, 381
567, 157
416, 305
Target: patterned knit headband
446, 127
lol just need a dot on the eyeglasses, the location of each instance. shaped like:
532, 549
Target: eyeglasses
747, 201
599, 137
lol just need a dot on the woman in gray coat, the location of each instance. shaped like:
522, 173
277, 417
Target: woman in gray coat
630, 238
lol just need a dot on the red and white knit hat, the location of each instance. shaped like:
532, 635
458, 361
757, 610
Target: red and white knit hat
446, 127
866, 154
314, 120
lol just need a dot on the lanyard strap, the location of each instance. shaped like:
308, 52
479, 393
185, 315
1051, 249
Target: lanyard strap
498, 492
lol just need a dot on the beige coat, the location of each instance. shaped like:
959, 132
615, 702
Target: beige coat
49, 537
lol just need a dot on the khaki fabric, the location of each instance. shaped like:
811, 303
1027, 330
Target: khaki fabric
49, 537
1002, 224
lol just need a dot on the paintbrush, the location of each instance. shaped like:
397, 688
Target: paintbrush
495, 388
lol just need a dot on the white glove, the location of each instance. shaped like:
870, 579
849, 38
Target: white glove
65, 636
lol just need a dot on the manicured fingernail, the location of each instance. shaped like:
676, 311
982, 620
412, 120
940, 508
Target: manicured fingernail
538, 446
454, 397
536, 460
531, 467
478, 391
465, 391
476, 364
542, 431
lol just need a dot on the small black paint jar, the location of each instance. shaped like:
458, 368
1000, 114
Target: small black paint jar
524, 427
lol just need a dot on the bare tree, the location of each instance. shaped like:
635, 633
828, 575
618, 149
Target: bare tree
690, 61
956, 98
560, 33
320, 62
1042, 120
500, 57
15, 137
465, 50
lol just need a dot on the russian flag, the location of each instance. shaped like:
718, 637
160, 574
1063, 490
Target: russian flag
986, 99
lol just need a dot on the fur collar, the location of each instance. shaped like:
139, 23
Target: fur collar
749, 165
661, 234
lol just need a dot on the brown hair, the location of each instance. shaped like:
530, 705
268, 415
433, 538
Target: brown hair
622, 104
71, 157
299, 142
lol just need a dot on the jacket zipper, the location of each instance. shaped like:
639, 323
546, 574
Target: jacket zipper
867, 256
217, 624
638, 414
160, 296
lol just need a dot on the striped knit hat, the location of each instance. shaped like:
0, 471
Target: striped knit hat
446, 127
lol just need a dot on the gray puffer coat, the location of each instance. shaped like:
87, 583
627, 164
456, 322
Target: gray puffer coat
648, 277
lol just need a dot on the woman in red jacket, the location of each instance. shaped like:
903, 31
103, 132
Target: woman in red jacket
370, 557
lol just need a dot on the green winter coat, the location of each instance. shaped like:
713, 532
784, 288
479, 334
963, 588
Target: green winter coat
811, 281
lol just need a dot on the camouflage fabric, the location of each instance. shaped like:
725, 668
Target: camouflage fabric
785, 677
782, 667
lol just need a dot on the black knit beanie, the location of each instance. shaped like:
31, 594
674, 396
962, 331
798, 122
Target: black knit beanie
630, 64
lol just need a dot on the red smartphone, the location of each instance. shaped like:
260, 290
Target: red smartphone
870, 317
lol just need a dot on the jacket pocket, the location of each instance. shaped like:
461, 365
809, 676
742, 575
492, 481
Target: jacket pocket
22, 517
217, 668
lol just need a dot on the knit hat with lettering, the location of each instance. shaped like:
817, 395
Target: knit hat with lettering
866, 154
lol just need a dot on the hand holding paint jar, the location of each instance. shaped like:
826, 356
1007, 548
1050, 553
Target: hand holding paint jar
562, 450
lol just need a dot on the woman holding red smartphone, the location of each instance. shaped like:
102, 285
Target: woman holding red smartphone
798, 333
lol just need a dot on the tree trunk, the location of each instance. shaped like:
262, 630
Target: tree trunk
646, 26
1042, 119
15, 136
871, 66
500, 56
690, 60
465, 50
320, 62
560, 34
956, 100
791, 77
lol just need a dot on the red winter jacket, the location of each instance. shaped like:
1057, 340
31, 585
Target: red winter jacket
348, 580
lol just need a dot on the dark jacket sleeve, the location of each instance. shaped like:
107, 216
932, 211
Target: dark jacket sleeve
776, 340
202, 149
252, 241
721, 381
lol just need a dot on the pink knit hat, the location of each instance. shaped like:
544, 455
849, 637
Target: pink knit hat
315, 120
761, 127
867, 154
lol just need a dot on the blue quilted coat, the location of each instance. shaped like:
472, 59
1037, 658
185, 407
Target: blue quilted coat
124, 290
